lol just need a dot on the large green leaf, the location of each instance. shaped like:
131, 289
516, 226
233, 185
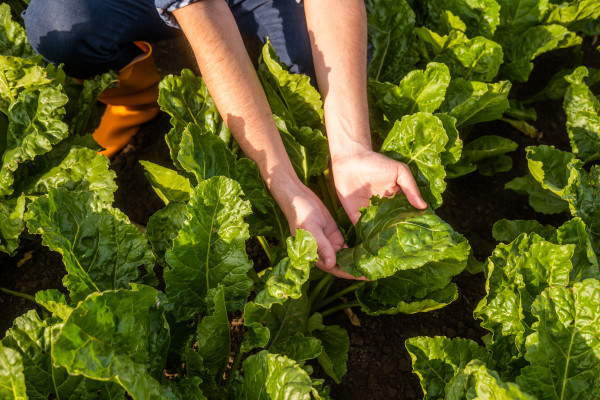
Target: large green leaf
437, 360
471, 102
575, 15
557, 86
101, 249
12, 224
335, 343
481, 17
418, 140
287, 319
564, 349
390, 26
210, 249
584, 260
299, 347
86, 117
167, 183
391, 230
273, 377
291, 96
516, 17
540, 199
418, 91
487, 154
163, 227
16, 75
35, 125
32, 338
583, 116
583, 195
516, 274
12, 380
508, 230
13, 40
119, 336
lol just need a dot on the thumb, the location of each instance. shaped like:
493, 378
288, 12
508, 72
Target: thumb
409, 187
324, 250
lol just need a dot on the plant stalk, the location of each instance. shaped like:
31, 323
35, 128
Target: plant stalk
18, 294
253, 275
326, 196
353, 303
234, 367
265, 245
339, 294
322, 283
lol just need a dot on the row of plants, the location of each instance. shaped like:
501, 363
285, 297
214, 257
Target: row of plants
117, 329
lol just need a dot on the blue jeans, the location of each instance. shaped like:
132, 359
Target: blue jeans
91, 37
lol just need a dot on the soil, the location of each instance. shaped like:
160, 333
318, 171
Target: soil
379, 366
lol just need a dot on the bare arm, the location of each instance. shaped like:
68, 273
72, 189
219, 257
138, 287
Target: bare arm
338, 33
239, 97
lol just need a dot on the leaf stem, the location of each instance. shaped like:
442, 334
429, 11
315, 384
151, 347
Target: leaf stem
232, 371
253, 275
322, 283
265, 245
339, 294
353, 303
18, 294
326, 196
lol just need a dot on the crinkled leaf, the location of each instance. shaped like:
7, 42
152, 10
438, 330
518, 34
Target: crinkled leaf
542, 200
583, 116
557, 87
33, 338
86, 119
299, 347
516, 274
516, 17
390, 26
16, 75
12, 380
55, 302
214, 341
335, 343
549, 166
437, 360
583, 195
210, 249
564, 349
418, 141
120, 336
472, 102
163, 227
481, 17
12, 224
35, 125
273, 377
506, 230
101, 249
291, 96
533, 42
575, 15
476, 381
13, 40
167, 183
418, 91
391, 230
584, 260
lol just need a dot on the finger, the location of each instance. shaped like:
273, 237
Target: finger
325, 250
409, 187
337, 272
335, 238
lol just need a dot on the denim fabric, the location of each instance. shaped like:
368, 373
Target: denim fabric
90, 36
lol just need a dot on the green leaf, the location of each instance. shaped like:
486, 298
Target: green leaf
391, 230
210, 249
299, 347
583, 195
214, 341
12, 224
533, 42
13, 40
17, 75
390, 26
516, 17
163, 227
12, 380
101, 249
476, 381
583, 116
574, 15
32, 338
454, 146
167, 183
287, 319
335, 343
437, 360
487, 154
86, 118
418, 141
542, 200
273, 377
55, 302
472, 102
549, 166
584, 260
563, 351
418, 91
120, 336
34, 127
506, 230
291, 96
519, 112
481, 17
516, 274
557, 87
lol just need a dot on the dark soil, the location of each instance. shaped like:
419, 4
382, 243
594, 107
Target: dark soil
378, 366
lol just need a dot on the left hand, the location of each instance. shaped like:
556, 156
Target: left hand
367, 174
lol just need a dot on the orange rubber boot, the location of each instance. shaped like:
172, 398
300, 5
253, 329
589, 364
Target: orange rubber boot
129, 105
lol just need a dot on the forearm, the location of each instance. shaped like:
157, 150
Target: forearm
338, 33
235, 87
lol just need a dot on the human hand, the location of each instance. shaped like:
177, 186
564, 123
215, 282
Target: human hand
368, 173
304, 210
